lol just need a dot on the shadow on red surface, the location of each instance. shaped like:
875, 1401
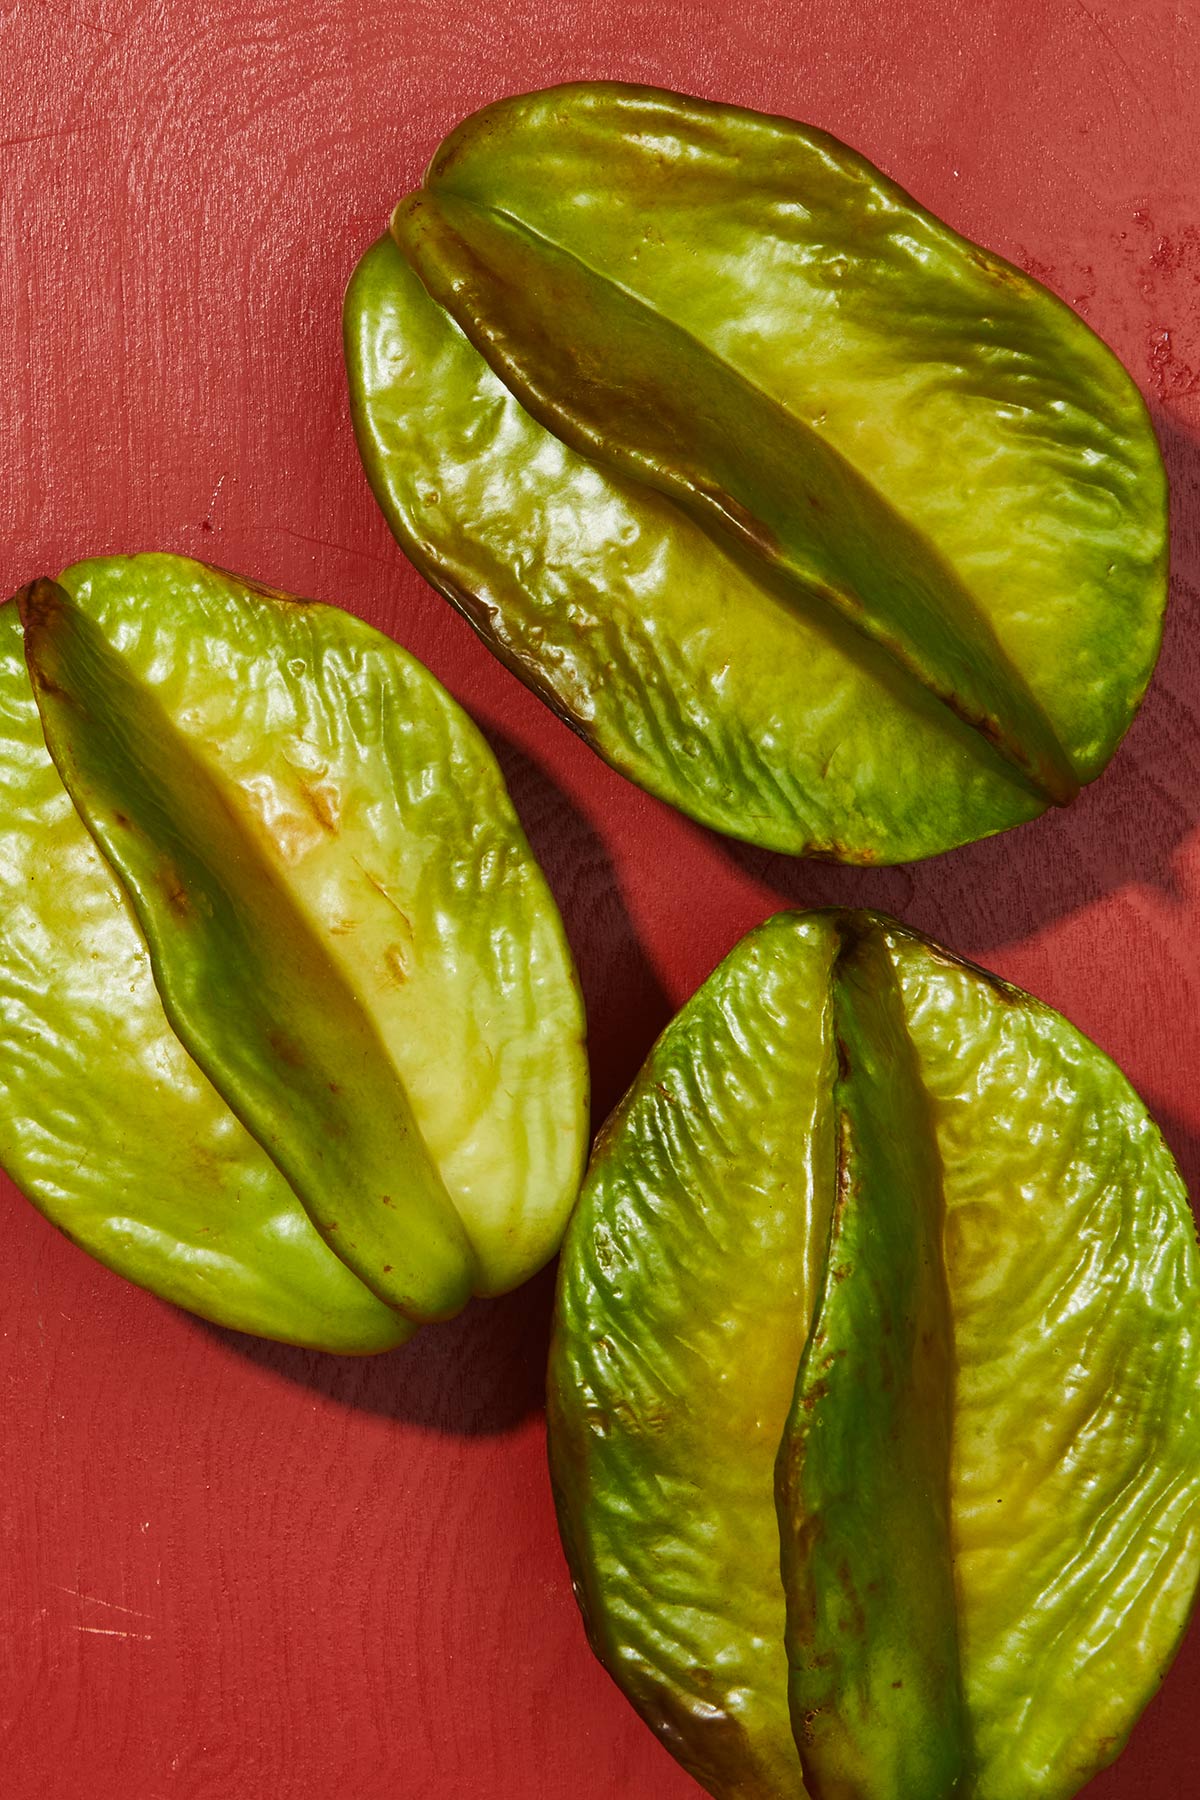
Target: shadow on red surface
627, 1003
479, 1375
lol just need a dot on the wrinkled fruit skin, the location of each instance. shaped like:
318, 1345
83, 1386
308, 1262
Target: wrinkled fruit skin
289, 1030
874, 1390
812, 517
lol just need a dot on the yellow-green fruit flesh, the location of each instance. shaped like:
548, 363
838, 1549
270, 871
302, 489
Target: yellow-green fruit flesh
718, 1309
338, 902
811, 516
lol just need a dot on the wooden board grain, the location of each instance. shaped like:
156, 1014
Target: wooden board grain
237, 1572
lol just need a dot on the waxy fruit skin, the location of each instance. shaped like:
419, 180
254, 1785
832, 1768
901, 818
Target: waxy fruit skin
874, 1391
811, 516
289, 1030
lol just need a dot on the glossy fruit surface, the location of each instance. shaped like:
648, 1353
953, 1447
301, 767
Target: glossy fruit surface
291, 1032
814, 518
875, 1384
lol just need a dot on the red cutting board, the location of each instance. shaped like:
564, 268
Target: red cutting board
232, 1571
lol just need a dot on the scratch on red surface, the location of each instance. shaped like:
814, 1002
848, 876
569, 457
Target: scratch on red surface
303, 537
76, 19
39, 137
110, 1631
206, 523
112, 1605
1113, 46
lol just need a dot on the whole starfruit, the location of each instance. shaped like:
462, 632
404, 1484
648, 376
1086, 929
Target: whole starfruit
875, 1382
817, 520
289, 1030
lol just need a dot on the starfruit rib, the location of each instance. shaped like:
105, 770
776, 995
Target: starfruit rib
863, 1478
650, 641
105, 1121
989, 414
380, 808
1071, 1257
685, 1293
618, 381
244, 982
987, 1468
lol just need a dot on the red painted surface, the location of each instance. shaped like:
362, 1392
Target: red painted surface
231, 1571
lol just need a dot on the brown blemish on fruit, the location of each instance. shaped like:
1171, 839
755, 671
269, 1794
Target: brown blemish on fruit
676, 1717
838, 851
322, 801
380, 889
175, 892
1003, 277
396, 965
1004, 990
750, 529
40, 603
285, 1049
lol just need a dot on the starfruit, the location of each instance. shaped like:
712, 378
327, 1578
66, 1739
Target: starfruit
875, 1382
289, 1030
819, 521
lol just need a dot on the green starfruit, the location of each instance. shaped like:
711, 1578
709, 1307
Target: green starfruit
289, 1031
815, 519
875, 1382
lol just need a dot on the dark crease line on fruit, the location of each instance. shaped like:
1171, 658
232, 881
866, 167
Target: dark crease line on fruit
1048, 775
481, 616
174, 891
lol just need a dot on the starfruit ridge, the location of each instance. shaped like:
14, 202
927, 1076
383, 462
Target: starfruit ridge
1045, 1576
296, 718
587, 359
1012, 451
